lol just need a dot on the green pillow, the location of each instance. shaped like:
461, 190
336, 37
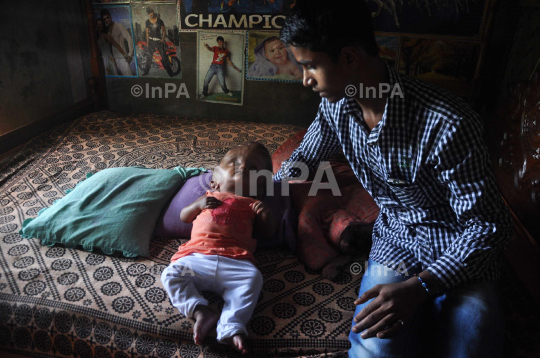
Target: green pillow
113, 210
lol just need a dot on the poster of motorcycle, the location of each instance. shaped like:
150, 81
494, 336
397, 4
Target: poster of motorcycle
220, 67
115, 41
233, 14
157, 42
268, 59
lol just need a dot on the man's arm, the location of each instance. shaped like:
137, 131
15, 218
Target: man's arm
211, 49
164, 32
127, 36
319, 143
232, 64
461, 162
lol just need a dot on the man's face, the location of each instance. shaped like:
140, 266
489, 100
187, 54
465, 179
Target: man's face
322, 74
151, 15
276, 52
107, 19
220, 43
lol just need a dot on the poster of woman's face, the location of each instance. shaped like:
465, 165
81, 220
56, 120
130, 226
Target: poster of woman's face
269, 59
220, 67
157, 42
114, 36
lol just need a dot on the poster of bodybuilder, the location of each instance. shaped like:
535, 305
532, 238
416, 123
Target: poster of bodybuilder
435, 17
115, 41
220, 67
269, 60
157, 42
233, 14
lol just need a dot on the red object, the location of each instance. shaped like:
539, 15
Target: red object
224, 231
285, 150
156, 57
220, 54
323, 218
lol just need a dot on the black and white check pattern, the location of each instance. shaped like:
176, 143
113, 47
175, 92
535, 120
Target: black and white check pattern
445, 215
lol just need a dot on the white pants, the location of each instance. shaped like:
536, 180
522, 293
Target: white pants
239, 282
123, 67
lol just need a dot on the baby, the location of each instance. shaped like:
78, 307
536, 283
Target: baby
272, 59
276, 52
219, 256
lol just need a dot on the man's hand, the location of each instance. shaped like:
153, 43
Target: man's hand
393, 302
259, 207
209, 202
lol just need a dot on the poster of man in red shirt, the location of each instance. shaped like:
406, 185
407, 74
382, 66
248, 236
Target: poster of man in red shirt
220, 55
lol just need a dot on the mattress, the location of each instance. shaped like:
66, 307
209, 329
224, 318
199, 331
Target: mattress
59, 302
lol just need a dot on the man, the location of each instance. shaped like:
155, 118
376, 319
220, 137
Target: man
119, 33
419, 152
221, 54
155, 38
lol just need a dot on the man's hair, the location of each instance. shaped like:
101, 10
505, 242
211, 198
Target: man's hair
220, 38
104, 12
328, 26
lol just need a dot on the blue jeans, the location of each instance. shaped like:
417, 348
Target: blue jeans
215, 69
465, 322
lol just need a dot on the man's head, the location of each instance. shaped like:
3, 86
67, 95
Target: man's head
233, 172
150, 12
106, 16
220, 41
275, 51
99, 26
333, 41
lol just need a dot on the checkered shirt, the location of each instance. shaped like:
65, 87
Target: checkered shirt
426, 166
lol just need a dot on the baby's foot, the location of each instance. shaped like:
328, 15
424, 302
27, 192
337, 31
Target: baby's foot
332, 269
205, 319
237, 342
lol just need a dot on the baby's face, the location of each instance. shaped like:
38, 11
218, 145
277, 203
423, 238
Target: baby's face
233, 172
276, 52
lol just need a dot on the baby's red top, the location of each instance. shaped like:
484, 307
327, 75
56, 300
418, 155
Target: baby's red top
224, 231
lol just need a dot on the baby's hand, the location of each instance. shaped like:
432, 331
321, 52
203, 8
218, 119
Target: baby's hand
258, 207
209, 202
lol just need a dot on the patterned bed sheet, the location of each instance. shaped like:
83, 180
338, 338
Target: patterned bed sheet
60, 302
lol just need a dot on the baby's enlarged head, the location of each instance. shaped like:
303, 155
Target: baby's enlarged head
245, 170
